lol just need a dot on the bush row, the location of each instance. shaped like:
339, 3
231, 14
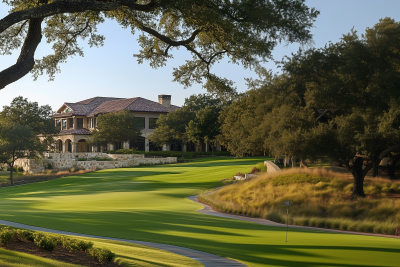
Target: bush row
187, 155
49, 242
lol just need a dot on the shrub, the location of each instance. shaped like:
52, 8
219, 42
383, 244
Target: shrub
81, 159
239, 174
101, 254
255, 170
125, 151
398, 230
20, 169
5, 236
25, 234
44, 241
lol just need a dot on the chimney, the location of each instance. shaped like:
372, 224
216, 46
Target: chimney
164, 100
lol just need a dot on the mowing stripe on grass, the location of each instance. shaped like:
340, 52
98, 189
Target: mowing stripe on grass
150, 204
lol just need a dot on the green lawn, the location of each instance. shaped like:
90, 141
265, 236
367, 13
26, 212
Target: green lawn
17, 259
149, 203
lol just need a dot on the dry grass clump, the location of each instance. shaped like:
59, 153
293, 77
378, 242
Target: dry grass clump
319, 198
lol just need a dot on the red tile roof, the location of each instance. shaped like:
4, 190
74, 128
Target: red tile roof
99, 105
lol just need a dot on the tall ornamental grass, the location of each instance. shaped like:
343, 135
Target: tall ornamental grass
319, 198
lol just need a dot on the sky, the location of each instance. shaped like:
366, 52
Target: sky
112, 71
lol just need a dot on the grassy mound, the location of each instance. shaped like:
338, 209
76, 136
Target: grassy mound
318, 198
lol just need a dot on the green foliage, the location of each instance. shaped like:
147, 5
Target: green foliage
45, 241
20, 169
30, 114
5, 236
101, 254
115, 127
298, 178
72, 244
171, 128
125, 151
17, 141
210, 31
204, 128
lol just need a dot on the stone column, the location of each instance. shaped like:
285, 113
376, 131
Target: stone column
126, 145
146, 145
74, 147
64, 148
184, 147
75, 123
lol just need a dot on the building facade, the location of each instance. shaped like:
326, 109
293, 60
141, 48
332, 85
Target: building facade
77, 120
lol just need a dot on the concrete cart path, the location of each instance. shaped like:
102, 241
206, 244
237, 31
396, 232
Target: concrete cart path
209, 211
207, 259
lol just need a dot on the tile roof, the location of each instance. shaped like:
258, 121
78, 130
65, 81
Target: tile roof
99, 105
75, 131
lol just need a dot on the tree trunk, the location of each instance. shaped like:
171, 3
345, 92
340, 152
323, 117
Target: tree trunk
358, 175
392, 167
11, 174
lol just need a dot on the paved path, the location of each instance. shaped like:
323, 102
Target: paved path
207, 259
209, 211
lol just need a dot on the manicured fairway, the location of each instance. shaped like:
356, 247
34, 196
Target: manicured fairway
149, 203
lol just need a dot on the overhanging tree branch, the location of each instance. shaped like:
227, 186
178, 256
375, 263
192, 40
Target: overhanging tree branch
70, 6
25, 61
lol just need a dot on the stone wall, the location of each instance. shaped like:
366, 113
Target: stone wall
31, 165
68, 160
271, 167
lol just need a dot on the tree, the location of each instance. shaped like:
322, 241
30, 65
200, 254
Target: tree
171, 128
244, 31
17, 141
30, 114
341, 101
204, 128
116, 127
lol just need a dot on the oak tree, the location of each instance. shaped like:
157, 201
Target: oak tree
241, 30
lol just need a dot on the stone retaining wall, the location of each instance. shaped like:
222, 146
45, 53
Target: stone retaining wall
69, 160
271, 167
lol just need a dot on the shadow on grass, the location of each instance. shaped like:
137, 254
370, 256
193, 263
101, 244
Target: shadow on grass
215, 235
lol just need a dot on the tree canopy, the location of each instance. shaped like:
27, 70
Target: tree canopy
25, 113
115, 127
196, 121
243, 31
17, 141
340, 101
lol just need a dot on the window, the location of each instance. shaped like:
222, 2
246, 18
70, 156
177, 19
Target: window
79, 123
70, 123
64, 124
94, 122
58, 123
138, 144
140, 122
153, 147
152, 123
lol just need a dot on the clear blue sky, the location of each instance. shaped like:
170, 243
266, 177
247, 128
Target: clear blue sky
112, 71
